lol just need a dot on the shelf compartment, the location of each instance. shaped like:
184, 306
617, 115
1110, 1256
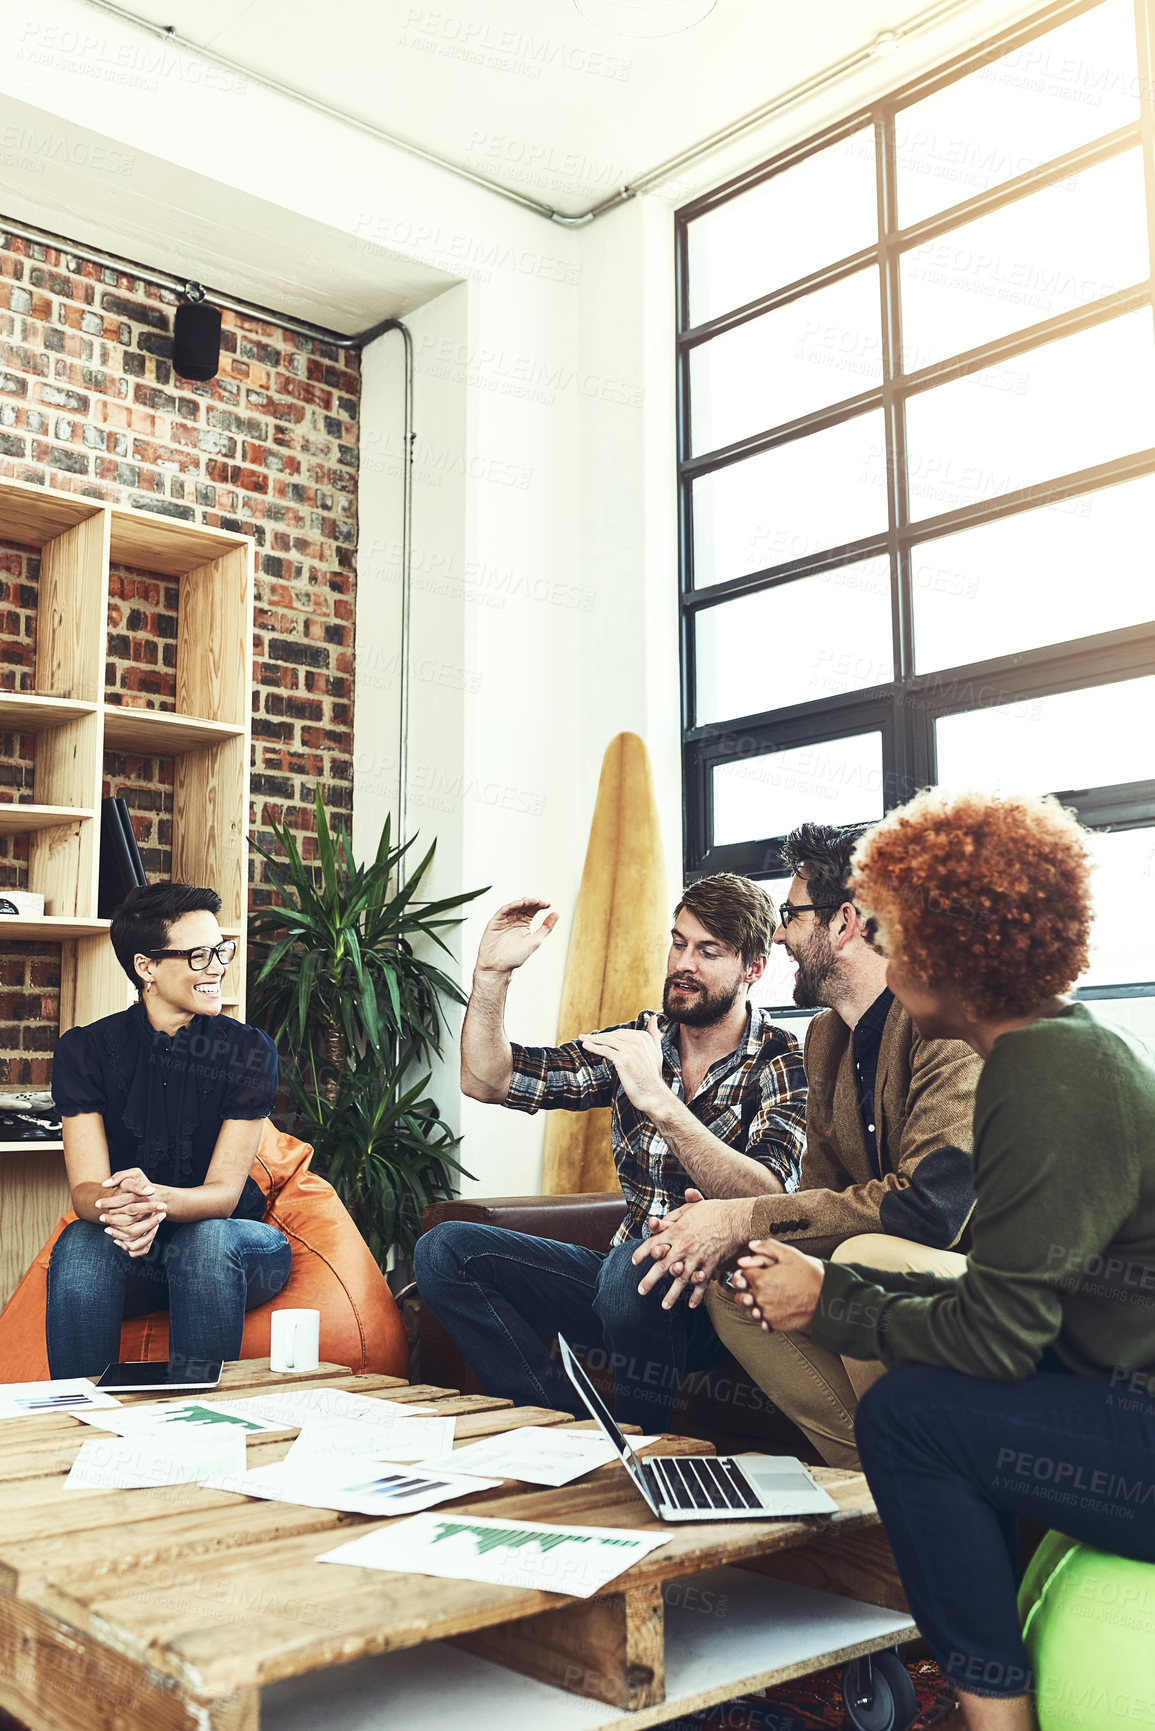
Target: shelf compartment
25, 712
50, 928
150, 543
33, 516
160, 732
25, 819
31, 1147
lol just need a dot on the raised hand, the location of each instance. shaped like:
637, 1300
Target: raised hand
510, 938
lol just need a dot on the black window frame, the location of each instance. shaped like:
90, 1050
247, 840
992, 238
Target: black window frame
904, 709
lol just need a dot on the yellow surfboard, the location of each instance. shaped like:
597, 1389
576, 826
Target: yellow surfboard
616, 963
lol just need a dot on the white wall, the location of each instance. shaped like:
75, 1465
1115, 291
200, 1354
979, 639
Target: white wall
544, 612
544, 601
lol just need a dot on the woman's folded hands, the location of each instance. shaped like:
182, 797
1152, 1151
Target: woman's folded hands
131, 1211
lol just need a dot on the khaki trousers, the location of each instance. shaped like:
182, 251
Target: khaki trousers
818, 1389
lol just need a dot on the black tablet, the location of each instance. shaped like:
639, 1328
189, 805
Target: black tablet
161, 1377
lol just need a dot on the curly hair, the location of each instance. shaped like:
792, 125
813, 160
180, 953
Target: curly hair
991, 892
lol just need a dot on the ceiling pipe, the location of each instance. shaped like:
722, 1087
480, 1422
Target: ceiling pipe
831, 76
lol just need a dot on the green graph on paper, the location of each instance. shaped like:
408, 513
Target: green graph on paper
516, 1538
202, 1415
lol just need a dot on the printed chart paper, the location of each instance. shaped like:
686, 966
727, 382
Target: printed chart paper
352, 1485
535, 1454
290, 1409
116, 1463
573, 1560
167, 1416
407, 1439
271, 1412
74, 1394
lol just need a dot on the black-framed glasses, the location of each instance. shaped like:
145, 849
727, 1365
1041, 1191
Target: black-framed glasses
199, 959
787, 910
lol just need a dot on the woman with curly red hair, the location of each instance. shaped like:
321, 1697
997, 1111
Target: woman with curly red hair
1011, 1389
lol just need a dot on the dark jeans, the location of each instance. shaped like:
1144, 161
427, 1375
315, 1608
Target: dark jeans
206, 1275
954, 1460
501, 1294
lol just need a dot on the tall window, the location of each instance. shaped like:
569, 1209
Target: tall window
917, 465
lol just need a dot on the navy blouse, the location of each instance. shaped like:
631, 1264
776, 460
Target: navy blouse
164, 1098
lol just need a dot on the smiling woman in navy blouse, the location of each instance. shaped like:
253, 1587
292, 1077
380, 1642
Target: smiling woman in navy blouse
162, 1107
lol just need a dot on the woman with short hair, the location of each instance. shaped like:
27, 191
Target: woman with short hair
162, 1106
1004, 1385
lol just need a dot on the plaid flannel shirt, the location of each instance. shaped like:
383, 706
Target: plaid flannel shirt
753, 1099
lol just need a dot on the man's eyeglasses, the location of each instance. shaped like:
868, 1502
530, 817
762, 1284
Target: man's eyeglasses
788, 910
199, 959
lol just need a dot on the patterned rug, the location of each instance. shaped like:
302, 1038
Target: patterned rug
815, 1704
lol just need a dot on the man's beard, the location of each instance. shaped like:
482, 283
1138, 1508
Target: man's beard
815, 971
704, 1008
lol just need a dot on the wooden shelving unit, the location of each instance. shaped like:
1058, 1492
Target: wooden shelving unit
208, 737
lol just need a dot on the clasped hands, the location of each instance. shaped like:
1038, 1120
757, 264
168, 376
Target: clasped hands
132, 1211
777, 1284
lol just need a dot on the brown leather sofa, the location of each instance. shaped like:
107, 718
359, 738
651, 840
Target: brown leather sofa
720, 1405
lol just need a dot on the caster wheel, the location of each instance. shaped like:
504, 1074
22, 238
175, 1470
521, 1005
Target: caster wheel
878, 1694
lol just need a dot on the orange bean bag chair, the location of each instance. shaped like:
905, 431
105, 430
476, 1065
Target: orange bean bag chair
332, 1272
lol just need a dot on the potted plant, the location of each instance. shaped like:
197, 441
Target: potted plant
337, 980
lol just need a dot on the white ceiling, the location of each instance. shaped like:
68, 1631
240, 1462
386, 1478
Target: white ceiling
564, 100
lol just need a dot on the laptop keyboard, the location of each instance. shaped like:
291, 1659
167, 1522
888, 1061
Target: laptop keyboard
697, 1482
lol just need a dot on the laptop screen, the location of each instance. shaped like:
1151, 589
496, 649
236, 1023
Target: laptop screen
592, 1398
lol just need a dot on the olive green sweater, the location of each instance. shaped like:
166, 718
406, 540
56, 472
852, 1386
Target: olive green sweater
1063, 1251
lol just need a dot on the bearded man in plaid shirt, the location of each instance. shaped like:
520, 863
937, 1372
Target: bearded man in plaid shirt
706, 1100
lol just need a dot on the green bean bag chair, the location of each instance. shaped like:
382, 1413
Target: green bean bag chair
1089, 1628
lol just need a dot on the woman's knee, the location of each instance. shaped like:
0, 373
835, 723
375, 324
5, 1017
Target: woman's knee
203, 1246
83, 1252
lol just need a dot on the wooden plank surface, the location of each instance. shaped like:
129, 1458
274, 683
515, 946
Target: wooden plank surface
608, 1649
51, 930
24, 818
72, 612
151, 543
31, 515
24, 712
213, 673
211, 1594
33, 1196
62, 861
727, 1634
161, 732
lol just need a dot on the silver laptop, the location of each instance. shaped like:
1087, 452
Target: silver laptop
706, 1487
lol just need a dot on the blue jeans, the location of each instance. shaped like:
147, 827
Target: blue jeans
502, 1294
953, 1461
206, 1275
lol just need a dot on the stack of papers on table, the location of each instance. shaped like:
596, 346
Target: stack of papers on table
348, 1455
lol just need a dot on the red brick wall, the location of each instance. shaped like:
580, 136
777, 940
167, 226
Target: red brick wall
89, 404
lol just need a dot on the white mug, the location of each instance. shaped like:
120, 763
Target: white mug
294, 1340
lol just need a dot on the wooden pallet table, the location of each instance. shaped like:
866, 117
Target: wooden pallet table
185, 1609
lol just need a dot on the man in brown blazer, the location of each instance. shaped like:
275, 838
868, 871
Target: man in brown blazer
885, 1177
